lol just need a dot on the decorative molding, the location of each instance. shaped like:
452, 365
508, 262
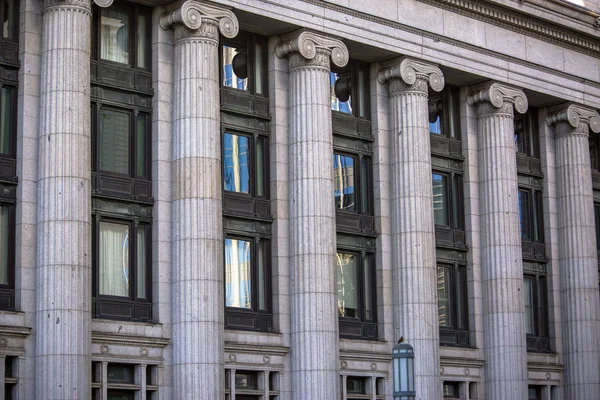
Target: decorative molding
104, 338
265, 350
19, 332
308, 44
497, 94
83, 5
191, 13
409, 70
103, 3
575, 115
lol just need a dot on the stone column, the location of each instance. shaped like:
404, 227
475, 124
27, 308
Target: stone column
63, 275
577, 249
501, 261
413, 233
197, 242
314, 316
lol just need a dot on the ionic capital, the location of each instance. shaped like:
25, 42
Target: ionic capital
497, 94
576, 116
192, 13
409, 70
82, 5
308, 44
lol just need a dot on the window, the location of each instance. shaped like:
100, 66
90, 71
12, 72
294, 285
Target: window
597, 226
361, 387
534, 392
530, 215
122, 201
9, 37
448, 216
536, 305
123, 381
453, 304
11, 376
250, 385
245, 178
7, 247
451, 390
350, 90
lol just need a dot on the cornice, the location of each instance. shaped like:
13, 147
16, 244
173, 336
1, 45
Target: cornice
20, 332
515, 21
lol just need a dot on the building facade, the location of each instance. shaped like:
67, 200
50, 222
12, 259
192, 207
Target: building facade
256, 199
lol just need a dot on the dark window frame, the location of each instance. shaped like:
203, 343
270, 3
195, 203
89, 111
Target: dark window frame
597, 228
539, 341
253, 319
452, 234
7, 291
9, 48
360, 328
444, 144
533, 246
8, 169
132, 307
457, 333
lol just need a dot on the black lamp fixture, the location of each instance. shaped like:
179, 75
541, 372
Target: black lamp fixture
239, 64
343, 88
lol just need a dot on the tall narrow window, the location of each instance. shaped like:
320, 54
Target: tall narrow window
535, 292
448, 216
122, 200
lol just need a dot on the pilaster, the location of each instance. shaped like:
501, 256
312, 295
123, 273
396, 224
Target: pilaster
63, 274
413, 235
314, 315
501, 262
197, 244
577, 249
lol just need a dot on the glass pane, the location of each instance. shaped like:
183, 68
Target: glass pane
235, 68
259, 70
141, 134
119, 395
8, 26
113, 257
121, 373
343, 171
369, 289
450, 389
521, 135
262, 284
114, 35
363, 94
538, 218
4, 244
246, 380
260, 167
365, 177
336, 103
440, 200
142, 41
236, 163
524, 216
6, 120
461, 298
346, 285
597, 219
443, 288
113, 141
436, 127
356, 385
529, 306
238, 277
142, 265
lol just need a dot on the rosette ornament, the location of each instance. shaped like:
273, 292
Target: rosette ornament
408, 70
191, 13
496, 94
308, 44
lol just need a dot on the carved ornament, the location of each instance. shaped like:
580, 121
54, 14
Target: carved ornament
191, 13
103, 3
307, 44
409, 69
575, 115
496, 94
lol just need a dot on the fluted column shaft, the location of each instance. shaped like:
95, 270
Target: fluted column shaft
578, 262
502, 267
314, 319
63, 309
197, 217
413, 234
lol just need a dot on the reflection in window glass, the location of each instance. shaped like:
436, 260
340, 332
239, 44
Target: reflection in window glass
258, 69
238, 278
260, 167
343, 170
363, 94
336, 104
142, 41
114, 31
141, 262
4, 244
113, 141
440, 200
347, 269
8, 26
234, 68
529, 306
364, 185
6, 119
236, 164
443, 288
436, 127
113, 256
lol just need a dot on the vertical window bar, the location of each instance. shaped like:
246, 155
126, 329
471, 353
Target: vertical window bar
141, 145
260, 167
368, 288
142, 261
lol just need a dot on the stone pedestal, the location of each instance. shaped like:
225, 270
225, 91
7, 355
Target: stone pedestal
63, 303
314, 315
577, 250
197, 242
413, 233
501, 260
